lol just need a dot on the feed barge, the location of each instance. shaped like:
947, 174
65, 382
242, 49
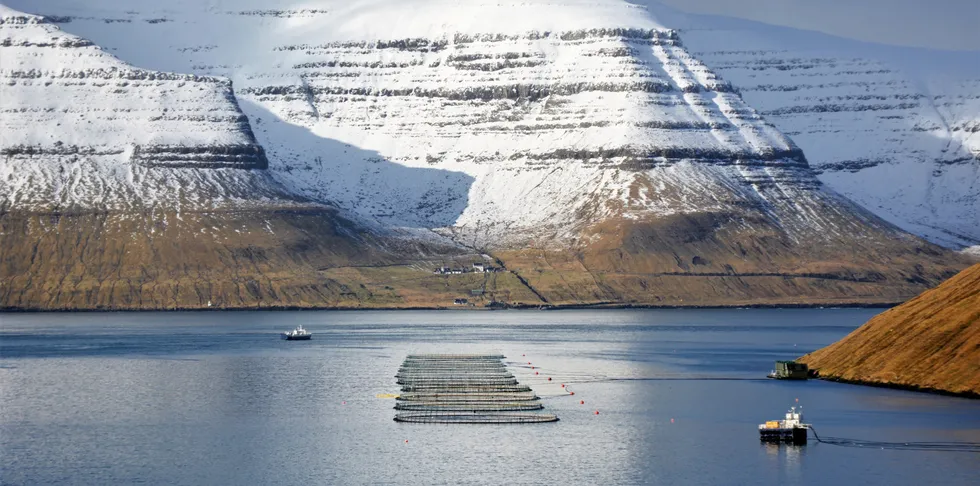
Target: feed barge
790, 430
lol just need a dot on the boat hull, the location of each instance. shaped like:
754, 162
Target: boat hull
794, 435
288, 337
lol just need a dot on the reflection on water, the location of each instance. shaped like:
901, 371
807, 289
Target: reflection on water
203, 398
787, 459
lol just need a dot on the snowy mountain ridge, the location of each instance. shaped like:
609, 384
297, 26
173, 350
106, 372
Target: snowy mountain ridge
252, 154
81, 129
489, 120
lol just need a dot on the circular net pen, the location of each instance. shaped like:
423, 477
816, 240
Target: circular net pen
469, 406
455, 357
449, 368
461, 388
464, 389
427, 373
474, 418
468, 397
457, 381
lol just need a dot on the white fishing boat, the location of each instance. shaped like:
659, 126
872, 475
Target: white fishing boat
298, 334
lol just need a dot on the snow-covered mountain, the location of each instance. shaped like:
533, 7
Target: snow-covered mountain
82, 129
895, 129
536, 119
198, 149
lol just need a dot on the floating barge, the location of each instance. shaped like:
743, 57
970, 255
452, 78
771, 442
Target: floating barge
791, 430
790, 370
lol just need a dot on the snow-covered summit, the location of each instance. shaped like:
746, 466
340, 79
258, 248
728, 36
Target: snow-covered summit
80, 128
489, 119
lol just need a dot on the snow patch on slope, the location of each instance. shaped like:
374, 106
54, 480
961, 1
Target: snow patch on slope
82, 129
895, 129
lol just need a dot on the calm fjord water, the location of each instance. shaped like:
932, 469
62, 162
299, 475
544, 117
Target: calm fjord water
218, 398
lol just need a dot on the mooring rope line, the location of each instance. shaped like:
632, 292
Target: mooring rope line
906, 446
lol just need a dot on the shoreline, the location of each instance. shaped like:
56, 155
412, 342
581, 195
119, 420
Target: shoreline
970, 395
549, 307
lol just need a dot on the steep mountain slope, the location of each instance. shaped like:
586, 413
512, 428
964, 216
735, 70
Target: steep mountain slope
81, 129
931, 342
127, 188
581, 144
894, 129
483, 89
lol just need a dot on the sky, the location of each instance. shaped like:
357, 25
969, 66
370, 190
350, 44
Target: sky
939, 24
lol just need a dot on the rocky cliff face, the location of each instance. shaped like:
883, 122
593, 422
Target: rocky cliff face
584, 145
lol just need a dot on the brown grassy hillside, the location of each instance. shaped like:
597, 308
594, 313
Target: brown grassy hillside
717, 259
931, 342
309, 257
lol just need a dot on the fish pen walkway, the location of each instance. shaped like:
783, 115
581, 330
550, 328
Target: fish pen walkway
464, 389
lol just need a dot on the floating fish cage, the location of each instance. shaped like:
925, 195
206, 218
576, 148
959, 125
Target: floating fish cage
454, 357
489, 406
474, 418
426, 373
468, 397
464, 389
457, 381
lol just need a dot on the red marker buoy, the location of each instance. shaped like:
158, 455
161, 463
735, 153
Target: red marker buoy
581, 402
406, 441
343, 403
563, 385
549, 378
535, 372
671, 420
597, 412
571, 393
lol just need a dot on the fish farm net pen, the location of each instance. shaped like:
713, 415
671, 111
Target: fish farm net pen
904, 446
458, 388
462, 381
474, 418
464, 389
469, 406
468, 397
454, 372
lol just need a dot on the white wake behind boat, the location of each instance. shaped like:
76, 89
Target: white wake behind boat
298, 334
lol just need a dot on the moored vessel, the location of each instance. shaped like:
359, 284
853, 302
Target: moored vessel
791, 430
298, 334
